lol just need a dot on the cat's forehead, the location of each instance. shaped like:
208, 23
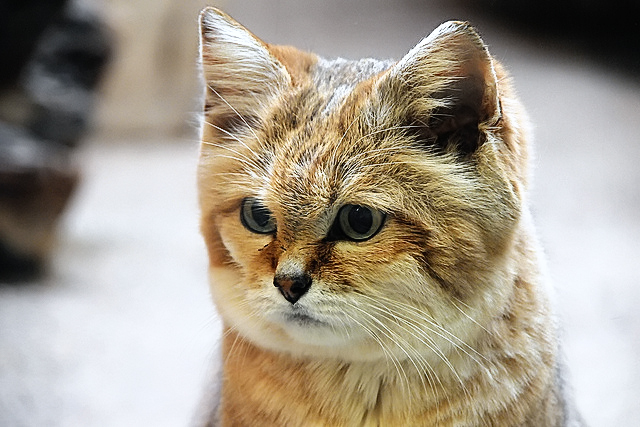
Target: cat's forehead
317, 172
325, 158
335, 79
310, 170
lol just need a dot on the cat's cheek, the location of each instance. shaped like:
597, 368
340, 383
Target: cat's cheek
238, 305
222, 283
241, 244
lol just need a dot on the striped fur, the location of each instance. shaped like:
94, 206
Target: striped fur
441, 318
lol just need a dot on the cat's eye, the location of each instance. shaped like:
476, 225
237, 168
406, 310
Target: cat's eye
358, 223
256, 217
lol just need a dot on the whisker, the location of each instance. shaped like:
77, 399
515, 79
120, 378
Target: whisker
375, 132
235, 111
402, 375
232, 137
394, 339
429, 342
427, 317
409, 324
467, 316
355, 119
226, 132
242, 158
237, 342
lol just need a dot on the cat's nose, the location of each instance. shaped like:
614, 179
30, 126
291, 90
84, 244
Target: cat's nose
292, 287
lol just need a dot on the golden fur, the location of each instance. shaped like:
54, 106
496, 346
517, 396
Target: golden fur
441, 318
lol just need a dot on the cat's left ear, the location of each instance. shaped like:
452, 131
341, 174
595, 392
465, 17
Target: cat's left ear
241, 74
445, 89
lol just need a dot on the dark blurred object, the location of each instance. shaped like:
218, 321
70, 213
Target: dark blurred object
36, 182
62, 74
607, 30
53, 55
21, 25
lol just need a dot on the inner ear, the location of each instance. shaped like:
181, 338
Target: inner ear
242, 76
456, 130
454, 127
444, 90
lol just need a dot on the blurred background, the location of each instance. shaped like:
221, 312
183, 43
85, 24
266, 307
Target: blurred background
105, 318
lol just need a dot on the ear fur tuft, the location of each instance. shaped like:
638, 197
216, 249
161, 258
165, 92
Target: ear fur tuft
447, 88
241, 74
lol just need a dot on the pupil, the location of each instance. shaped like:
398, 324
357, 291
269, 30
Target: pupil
260, 215
360, 219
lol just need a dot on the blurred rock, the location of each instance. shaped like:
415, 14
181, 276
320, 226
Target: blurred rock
21, 25
46, 99
62, 74
37, 179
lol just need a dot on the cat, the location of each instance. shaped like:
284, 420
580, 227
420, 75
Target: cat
371, 250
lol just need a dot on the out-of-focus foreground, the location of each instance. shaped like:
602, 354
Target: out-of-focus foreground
120, 331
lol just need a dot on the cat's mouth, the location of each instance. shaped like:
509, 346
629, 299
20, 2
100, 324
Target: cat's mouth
306, 328
301, 317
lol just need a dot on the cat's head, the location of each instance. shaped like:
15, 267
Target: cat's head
358, 209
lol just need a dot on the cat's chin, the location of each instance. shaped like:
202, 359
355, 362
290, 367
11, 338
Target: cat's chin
302, 335
310, 340
323, 343
308, 332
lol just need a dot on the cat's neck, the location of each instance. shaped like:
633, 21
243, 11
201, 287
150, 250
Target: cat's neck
346, 393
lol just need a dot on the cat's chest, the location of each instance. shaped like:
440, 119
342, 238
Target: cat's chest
266, 389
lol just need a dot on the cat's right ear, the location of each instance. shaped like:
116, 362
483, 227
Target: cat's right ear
242, 76
444, 91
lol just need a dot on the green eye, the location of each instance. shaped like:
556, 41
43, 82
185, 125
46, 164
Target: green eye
256, 218
358, 223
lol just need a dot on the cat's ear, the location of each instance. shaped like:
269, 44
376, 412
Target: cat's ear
242, 76
444, 90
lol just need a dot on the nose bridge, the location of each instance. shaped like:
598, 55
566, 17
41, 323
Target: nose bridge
293, 261
301, 224
304, 186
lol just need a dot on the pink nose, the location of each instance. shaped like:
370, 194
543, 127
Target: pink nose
292, 287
